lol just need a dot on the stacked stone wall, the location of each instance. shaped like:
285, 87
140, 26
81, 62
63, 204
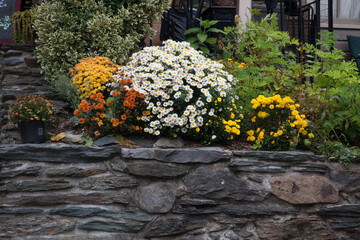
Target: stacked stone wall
77, 192
20, 74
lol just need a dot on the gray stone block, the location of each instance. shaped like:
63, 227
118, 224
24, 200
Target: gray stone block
193, 155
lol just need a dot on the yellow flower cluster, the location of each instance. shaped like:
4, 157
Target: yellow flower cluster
260, 135
91, 75
273, 102
281, 116
232, 127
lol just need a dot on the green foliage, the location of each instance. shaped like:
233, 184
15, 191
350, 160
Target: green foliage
201, 38
337, 87
64, 86
330, 97
71, 30
22, 25
337, 150
269, 69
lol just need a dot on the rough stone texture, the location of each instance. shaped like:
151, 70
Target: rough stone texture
352, 210
304, 189
112, 226
72, 138
34, 186
107, 140
298, 228
207, 197
221, 184
169, 143
157, 197
120, 196
172, 226
109, 182
32, 171
20, 211
155, 169
234, 210
141, 142
57, 153
15, 226
345, 180
280, 156
194, 155
74, 172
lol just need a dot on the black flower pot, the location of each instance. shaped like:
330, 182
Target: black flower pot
32, 131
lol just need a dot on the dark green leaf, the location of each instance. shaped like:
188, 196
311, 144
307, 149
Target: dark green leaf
191, 40
202, 37
192, 30
195, 45
211, 40
215, 30
205, 50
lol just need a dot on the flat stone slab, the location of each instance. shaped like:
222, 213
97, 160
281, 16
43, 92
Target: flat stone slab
141, 142
34, 186
109, 182
169, 143
221, 184
295, 228
154, 169
185, 155
173, 226
280, 156
74, 172
122, 196
112, 226
304, 189
351, 210
345, 180
21, 226
234, 210
61, 153
32, 171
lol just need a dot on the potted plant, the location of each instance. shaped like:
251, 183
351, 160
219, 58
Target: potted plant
30, 112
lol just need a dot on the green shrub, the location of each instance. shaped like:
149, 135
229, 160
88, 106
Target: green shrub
71, 30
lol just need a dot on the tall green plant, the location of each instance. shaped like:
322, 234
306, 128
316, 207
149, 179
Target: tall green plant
200, 37
337, 87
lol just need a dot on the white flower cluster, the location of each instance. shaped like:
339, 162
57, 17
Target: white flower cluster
177, 82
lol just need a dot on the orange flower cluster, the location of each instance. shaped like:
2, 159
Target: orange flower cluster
30, 107
118, 113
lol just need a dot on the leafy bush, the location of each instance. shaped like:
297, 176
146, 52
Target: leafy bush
91, 75
71, 30
326, 87
186, 93
336, 88
277, 124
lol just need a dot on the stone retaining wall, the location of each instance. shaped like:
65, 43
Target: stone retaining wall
20, 74
77, 192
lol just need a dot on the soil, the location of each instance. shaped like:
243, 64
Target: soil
63, 123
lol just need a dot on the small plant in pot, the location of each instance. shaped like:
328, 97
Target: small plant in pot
30, 112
